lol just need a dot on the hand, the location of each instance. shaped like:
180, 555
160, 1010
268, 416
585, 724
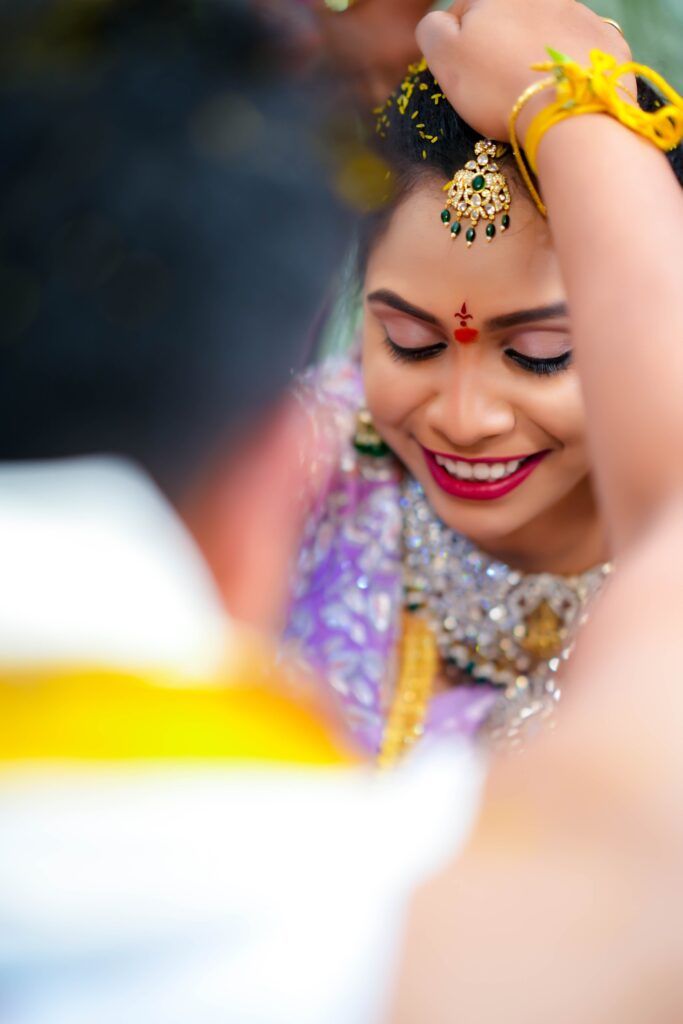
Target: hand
481, 52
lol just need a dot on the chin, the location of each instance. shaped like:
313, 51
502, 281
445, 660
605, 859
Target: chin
484, 522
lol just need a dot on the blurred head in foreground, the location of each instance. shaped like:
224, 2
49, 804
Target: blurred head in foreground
167, 237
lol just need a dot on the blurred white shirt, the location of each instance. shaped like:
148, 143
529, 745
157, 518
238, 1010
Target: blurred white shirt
194, 894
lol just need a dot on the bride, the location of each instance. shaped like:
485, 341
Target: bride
457, 476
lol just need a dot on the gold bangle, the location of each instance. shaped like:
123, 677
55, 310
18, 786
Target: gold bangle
528, 93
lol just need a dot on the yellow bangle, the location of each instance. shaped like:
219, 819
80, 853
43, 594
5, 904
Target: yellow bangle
593, 90
552, 115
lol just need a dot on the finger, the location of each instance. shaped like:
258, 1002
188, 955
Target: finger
438, 36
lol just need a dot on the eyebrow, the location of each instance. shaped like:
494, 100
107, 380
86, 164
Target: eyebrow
527, 316
496, 323
396, 302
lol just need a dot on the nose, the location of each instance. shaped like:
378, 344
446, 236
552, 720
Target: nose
470, 407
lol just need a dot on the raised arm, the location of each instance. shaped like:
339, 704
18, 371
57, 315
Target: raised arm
566, 904
616, 214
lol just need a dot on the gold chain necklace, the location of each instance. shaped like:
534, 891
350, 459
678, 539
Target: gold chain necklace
419, 660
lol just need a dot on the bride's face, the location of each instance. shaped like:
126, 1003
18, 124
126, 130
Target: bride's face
467, 361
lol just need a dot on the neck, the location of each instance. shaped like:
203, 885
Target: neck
566, 540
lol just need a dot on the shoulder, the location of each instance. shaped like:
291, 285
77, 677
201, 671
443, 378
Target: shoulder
329, 395
333, 388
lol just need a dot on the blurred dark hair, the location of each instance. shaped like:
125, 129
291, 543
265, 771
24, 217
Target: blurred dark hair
166, 229
419, 135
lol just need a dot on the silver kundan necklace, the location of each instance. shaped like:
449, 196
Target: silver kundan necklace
494, 625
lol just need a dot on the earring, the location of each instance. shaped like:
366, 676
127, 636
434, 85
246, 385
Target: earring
366, 440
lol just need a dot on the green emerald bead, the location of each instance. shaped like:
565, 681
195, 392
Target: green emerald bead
490, 230
445, 216
506, 221
455, 228
375, 451
471, 235
478, 182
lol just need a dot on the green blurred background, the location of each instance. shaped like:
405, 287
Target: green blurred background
654, 29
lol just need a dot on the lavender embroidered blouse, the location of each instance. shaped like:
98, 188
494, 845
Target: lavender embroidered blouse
347, 597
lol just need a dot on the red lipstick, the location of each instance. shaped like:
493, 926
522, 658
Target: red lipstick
481, 490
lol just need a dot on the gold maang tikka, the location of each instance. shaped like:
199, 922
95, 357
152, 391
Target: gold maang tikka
478, 192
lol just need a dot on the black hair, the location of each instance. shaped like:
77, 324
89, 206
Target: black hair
167, 232
420, 135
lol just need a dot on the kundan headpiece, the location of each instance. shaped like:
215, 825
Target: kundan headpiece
478, 192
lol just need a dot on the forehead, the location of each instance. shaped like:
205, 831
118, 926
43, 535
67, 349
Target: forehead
417, 257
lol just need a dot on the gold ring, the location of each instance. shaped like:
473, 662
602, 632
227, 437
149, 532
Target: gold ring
614, 24
340, 6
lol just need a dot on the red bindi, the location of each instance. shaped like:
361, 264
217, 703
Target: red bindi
464, 334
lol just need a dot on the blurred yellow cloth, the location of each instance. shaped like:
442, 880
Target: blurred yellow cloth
99, 714
114, 642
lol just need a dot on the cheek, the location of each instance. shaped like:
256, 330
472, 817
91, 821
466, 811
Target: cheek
391, 391
558, 409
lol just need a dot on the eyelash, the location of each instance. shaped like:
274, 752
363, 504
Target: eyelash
541, 367
413, 355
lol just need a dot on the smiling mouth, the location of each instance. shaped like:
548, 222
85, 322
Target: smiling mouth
482, 471
481, 479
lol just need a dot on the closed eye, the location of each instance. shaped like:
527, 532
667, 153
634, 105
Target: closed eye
413, 355
542, 366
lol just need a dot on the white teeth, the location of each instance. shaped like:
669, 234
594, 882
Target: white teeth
478, 470
462, 469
